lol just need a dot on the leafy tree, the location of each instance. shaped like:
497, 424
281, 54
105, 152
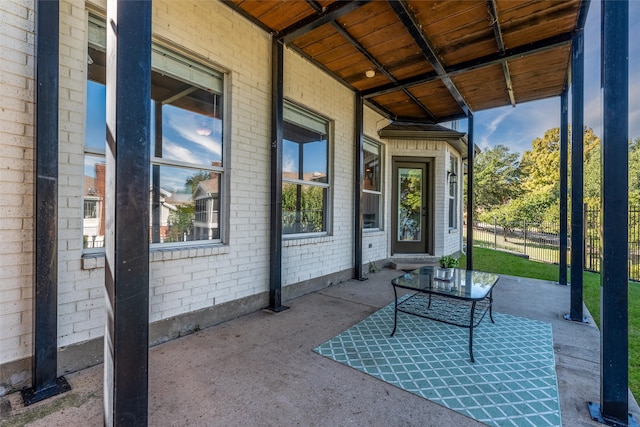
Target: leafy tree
634, 172
180, 225
496, 177
192, 182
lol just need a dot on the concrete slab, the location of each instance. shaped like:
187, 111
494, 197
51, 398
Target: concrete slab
260, 370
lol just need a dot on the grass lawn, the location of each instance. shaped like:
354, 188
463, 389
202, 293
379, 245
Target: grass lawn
504, 263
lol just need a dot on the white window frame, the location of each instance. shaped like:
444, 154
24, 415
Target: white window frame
305, 118
453, 191
379, 193
181, 67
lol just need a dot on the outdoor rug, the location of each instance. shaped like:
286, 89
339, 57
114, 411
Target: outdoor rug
512, 382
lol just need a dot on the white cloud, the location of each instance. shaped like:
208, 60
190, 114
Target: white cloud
187, 124
288, 164
178, 152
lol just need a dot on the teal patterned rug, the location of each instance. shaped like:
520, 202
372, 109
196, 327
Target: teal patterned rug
512, 382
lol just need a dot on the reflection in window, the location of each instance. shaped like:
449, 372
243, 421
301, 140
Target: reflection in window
305, 180
186, 147
372, 193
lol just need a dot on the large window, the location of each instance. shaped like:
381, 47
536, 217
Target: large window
372, 193
452, 177
187, 167
305, 177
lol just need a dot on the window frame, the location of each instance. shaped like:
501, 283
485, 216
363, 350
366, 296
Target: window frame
380, 191
453, 191
306, 118
203, 74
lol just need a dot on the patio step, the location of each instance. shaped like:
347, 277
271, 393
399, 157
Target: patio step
406, 263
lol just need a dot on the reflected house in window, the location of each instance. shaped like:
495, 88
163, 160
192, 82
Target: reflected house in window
93, 218
206, 196
166, 209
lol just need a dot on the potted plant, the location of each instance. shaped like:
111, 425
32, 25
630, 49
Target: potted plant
447, 263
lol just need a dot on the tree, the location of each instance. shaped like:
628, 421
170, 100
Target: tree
192, 182
496, 178
541, 165
634, 172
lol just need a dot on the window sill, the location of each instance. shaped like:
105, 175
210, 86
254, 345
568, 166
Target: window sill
305, 239
93, 260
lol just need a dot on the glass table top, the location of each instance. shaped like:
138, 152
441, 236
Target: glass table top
465, 284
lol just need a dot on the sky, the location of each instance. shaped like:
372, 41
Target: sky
517, 127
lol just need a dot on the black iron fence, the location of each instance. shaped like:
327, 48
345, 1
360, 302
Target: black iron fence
541, 241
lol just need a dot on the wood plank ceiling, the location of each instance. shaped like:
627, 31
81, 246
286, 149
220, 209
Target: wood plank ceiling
434, 61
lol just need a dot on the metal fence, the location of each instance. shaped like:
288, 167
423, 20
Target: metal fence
541, 241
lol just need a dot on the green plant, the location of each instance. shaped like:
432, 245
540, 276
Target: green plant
448, 261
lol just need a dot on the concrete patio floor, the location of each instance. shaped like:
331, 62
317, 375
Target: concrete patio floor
260, 370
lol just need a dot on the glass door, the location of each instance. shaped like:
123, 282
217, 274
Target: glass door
410, 207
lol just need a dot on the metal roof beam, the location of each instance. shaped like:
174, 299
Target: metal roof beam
493, 11
329, 14
381, 68
401, 8
497, 58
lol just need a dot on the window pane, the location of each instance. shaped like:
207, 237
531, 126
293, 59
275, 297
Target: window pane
93, 195
410, 182
304, 147
185, 204
371, 210
303, 208
191, 126
371, 167
96, 130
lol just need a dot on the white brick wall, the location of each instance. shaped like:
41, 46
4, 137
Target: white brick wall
306, 258
445, 242
184, 279
16, 176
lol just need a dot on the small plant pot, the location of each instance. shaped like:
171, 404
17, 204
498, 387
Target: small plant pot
444, 273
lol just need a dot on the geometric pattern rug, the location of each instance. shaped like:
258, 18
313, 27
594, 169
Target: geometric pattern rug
512, 382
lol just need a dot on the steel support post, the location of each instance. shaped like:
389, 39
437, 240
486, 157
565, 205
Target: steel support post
577, 178
277, 123
127, 212
470, 159
614, 273
358, 187
44, 367
564, 162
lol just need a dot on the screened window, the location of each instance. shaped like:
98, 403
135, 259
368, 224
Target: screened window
372, 193
187, 167
305, 178
452, 177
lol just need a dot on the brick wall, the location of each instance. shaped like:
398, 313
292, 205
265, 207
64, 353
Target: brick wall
186, 279
17, 51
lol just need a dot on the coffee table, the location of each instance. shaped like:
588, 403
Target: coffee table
462, 300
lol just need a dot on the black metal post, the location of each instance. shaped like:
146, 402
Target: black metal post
127, 211
358, 187
564, 166
614, 273
577, 178
277, 124
470, 157
44, 367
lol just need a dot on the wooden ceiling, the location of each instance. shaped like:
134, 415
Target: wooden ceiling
434, 61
